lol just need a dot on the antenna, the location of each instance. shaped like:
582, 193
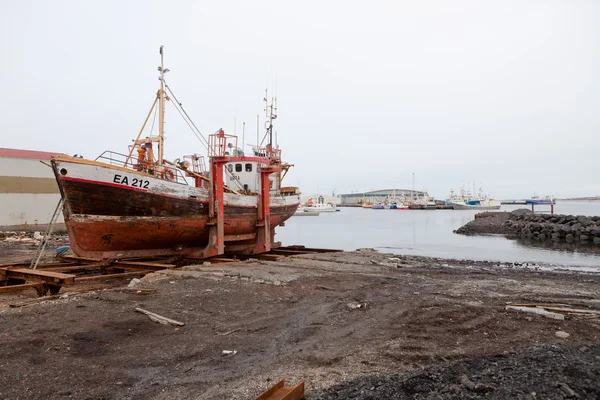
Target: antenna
161, 108
271, 114
257, 133
243, 134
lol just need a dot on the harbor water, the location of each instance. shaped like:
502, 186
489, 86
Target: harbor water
429, 233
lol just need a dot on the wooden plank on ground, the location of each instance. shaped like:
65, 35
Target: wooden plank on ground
111, 276
281, 392
75, 267
34, 301
286, 252
143, 265
537, 311
572, 310
159, 318
39, 275
16, 288
51, 265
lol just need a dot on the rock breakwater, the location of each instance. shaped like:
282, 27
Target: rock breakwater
558, 228
486, 223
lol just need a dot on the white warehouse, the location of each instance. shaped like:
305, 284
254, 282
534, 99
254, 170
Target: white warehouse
28, 191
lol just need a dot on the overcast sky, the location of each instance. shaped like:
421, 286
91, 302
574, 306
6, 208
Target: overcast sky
502, 93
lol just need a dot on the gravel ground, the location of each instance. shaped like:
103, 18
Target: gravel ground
544, 372
336, 321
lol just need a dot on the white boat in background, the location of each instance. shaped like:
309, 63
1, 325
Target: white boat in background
467, 201
302, 212
484, 204
321, 207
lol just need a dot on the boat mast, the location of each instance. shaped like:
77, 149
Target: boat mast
271, 111
161, 108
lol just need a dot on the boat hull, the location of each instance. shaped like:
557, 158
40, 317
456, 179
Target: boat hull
542, 201
475, 207
106, 216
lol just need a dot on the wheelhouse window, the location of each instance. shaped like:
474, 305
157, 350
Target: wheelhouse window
248, 167
238, 167
230, 167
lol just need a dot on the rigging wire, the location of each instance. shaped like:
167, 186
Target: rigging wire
198, 135
190, 123
187, 117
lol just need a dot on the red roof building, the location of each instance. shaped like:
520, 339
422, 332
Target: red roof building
31, 154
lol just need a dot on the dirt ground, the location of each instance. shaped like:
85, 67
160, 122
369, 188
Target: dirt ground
351, 325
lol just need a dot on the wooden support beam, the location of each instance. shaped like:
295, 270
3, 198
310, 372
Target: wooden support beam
73, 268
289, 252
37, 275
281, 392
235, 238
143, 265
111, 276
16, 288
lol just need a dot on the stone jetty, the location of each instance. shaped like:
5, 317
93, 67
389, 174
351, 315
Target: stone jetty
557, 228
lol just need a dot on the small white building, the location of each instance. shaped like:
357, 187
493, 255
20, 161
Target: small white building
320, 198
28, 190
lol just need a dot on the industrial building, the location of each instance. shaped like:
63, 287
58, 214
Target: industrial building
28, 191
359, 198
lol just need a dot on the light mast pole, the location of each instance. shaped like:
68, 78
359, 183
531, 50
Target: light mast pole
161, 109
271, 114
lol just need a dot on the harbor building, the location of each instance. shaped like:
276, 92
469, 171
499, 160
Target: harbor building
28, 190
357, 199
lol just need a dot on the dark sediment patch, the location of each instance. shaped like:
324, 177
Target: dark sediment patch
548, 372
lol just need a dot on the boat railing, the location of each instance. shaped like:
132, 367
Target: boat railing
221, 144
269, 152
114, 158
196, 163
165, 172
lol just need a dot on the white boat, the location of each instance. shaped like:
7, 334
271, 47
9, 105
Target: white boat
321, 207
466, 201
302, 212
484, 204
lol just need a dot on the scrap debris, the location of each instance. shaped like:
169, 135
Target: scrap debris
159, 318
281, 392
554, 310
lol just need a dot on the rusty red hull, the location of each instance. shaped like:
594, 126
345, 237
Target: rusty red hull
92, 236
109, 220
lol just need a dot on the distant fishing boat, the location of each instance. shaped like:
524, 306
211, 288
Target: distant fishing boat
483, 205
398, 206
467, 201
537, 200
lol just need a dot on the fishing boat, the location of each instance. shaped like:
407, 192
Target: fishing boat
467, 201
543, 200
140, 204
399, 206
482, 205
